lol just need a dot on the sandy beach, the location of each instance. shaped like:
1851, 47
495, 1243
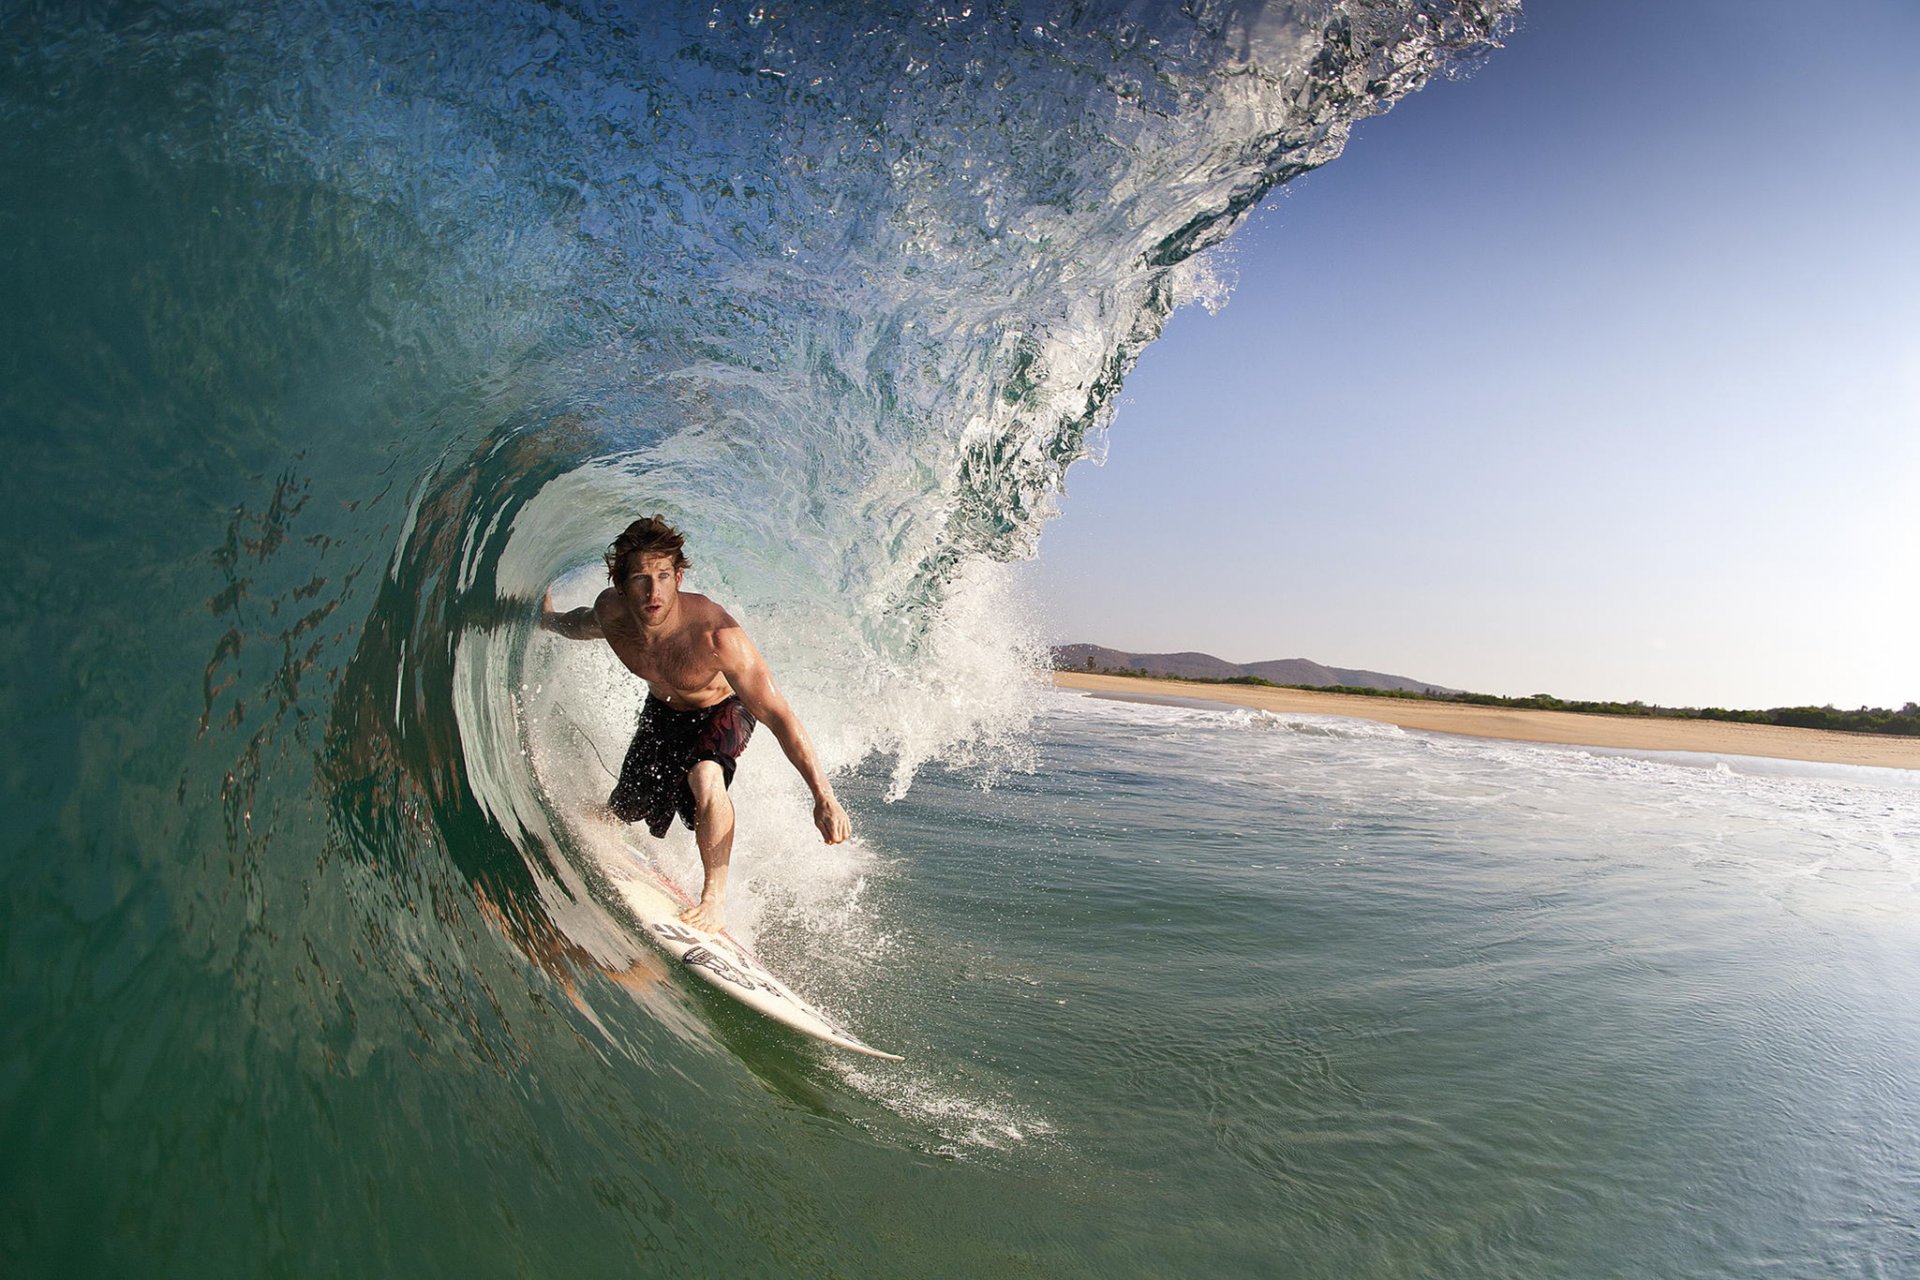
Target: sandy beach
1563, 727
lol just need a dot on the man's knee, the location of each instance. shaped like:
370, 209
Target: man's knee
708, 782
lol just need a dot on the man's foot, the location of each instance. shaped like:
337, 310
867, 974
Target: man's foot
708, 914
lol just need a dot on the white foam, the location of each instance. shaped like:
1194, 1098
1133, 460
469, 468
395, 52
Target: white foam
1847, 836
961, 1124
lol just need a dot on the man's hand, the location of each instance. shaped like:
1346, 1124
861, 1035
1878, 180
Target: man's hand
831, 819
575, 624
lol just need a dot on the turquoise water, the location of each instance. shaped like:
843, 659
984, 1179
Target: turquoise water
1361, 1002
333, 334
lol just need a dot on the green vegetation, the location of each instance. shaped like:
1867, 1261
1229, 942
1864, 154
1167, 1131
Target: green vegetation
1905, 721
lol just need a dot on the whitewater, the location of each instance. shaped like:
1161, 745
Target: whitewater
335, 334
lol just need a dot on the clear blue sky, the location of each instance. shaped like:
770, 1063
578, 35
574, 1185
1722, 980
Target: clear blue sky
1597, 373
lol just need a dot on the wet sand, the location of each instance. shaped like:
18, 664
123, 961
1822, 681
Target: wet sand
1567, 728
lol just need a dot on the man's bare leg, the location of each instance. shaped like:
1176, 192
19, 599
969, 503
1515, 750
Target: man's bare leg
713, 830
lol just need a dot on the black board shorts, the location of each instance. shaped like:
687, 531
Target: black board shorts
653, 778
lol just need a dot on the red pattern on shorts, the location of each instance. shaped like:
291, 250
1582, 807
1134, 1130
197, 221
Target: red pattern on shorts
653, 778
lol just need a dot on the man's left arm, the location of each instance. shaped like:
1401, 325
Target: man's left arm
747, 672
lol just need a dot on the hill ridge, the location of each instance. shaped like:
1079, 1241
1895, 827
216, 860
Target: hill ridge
1193, 665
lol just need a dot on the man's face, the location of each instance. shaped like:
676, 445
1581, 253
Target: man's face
651, 587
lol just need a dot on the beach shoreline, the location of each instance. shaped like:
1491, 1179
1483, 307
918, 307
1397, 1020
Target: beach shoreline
1561, 728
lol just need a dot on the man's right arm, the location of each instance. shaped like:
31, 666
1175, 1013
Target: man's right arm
575, 624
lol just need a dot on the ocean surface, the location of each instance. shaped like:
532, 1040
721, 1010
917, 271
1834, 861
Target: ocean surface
332, 334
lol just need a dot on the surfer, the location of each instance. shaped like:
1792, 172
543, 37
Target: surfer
707, 687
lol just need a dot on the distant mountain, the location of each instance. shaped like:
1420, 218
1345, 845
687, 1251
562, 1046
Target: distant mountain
1204, 666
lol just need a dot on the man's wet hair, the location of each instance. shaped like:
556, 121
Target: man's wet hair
647, 536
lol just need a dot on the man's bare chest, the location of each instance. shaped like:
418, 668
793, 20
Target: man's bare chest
679, 662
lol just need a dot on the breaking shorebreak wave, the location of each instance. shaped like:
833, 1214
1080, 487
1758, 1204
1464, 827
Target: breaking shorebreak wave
337, 332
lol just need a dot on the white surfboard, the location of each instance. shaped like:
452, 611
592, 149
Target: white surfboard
724, 964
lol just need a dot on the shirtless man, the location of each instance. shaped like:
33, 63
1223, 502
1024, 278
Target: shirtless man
707, 686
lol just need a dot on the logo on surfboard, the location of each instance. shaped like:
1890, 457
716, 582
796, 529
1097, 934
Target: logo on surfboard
710, 960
